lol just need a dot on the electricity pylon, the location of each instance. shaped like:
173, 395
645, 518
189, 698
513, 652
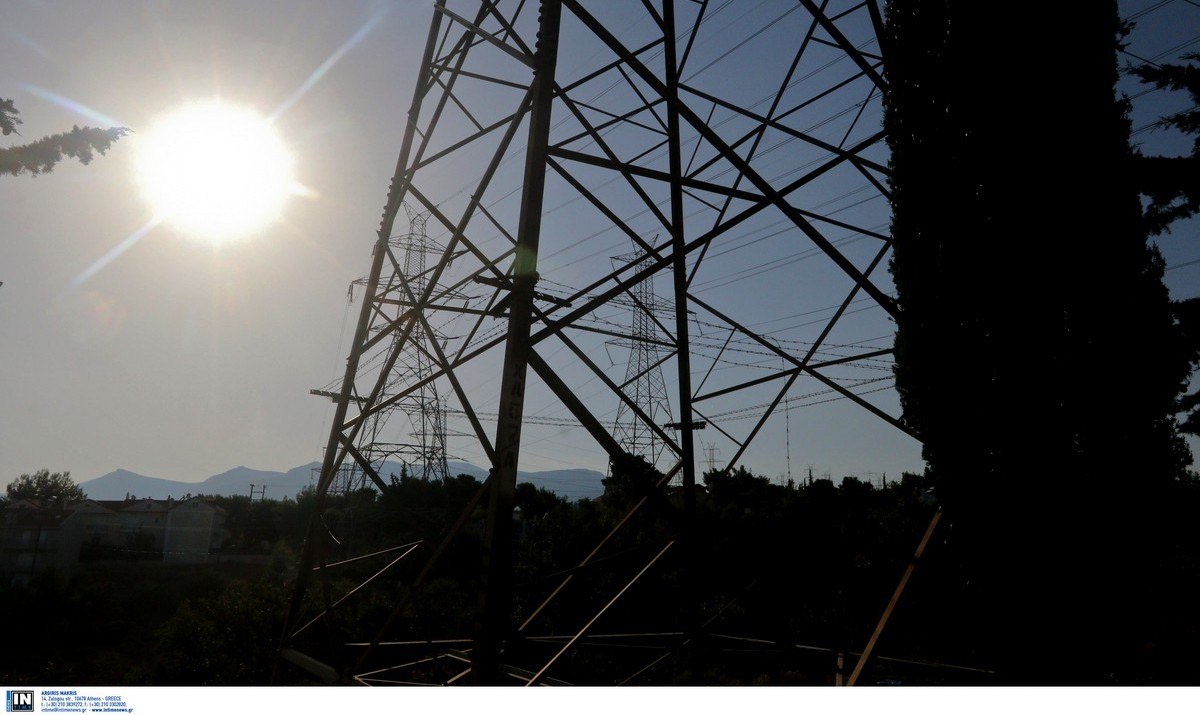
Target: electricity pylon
644, 382
660, 130
418, 445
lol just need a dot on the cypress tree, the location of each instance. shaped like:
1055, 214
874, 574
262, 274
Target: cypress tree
1036, 353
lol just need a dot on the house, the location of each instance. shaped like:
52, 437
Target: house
30, 540
36, 536
194, 529
143, 524
92, 528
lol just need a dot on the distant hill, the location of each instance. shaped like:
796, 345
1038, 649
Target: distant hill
115, 485
569, 483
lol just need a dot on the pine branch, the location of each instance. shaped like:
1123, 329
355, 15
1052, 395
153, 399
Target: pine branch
41, 156
1173, 184
8, 117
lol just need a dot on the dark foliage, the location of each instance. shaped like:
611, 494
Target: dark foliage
99, 626
805, 570
222, 638
8, 117
1173, 183
1188, 313
1036, 351
40, 156
57, 488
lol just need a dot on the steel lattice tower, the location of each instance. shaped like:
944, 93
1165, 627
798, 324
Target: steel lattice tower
419, 444
643, 370
678, 152
424, 452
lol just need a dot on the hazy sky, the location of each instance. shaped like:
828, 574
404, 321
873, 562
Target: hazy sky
179, 359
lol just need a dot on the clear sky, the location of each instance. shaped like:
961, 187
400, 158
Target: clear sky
179, 359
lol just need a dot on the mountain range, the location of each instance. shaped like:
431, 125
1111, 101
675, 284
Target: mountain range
568, 483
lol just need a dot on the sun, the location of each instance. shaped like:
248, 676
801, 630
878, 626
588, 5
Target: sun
215, 171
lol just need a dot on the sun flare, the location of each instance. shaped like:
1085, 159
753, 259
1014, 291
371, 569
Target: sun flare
215, 171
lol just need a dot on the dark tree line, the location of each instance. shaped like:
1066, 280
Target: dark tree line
797, 564
802, 569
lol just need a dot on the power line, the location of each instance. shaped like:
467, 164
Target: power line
1148, 10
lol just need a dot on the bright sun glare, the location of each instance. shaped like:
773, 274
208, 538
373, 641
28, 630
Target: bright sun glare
215, 170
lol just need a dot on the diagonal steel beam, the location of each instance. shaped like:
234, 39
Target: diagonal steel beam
865, 657
508, 49
623, 166
774, 123
787, 373
575, 405
411, 591
363, 463
847, 47
541, 674
411, 548
774, 196
616, 529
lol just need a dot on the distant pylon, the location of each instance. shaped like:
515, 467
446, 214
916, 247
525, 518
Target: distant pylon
423, 451
419, 445
710, 457
347, 480
643, 372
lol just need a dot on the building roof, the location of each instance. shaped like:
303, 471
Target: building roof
29, 507
36, 517
145, 505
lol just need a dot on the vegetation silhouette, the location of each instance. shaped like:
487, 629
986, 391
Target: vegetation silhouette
802, 569
1172, 185
796, 564
42, 155
1037, 353
57, 489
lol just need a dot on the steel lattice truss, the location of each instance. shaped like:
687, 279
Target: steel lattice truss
643, 383
539, 137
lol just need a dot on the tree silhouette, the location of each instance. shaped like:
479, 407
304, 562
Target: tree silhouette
1173, 186
57, 488
1173, 183
41, 156
1036, 351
